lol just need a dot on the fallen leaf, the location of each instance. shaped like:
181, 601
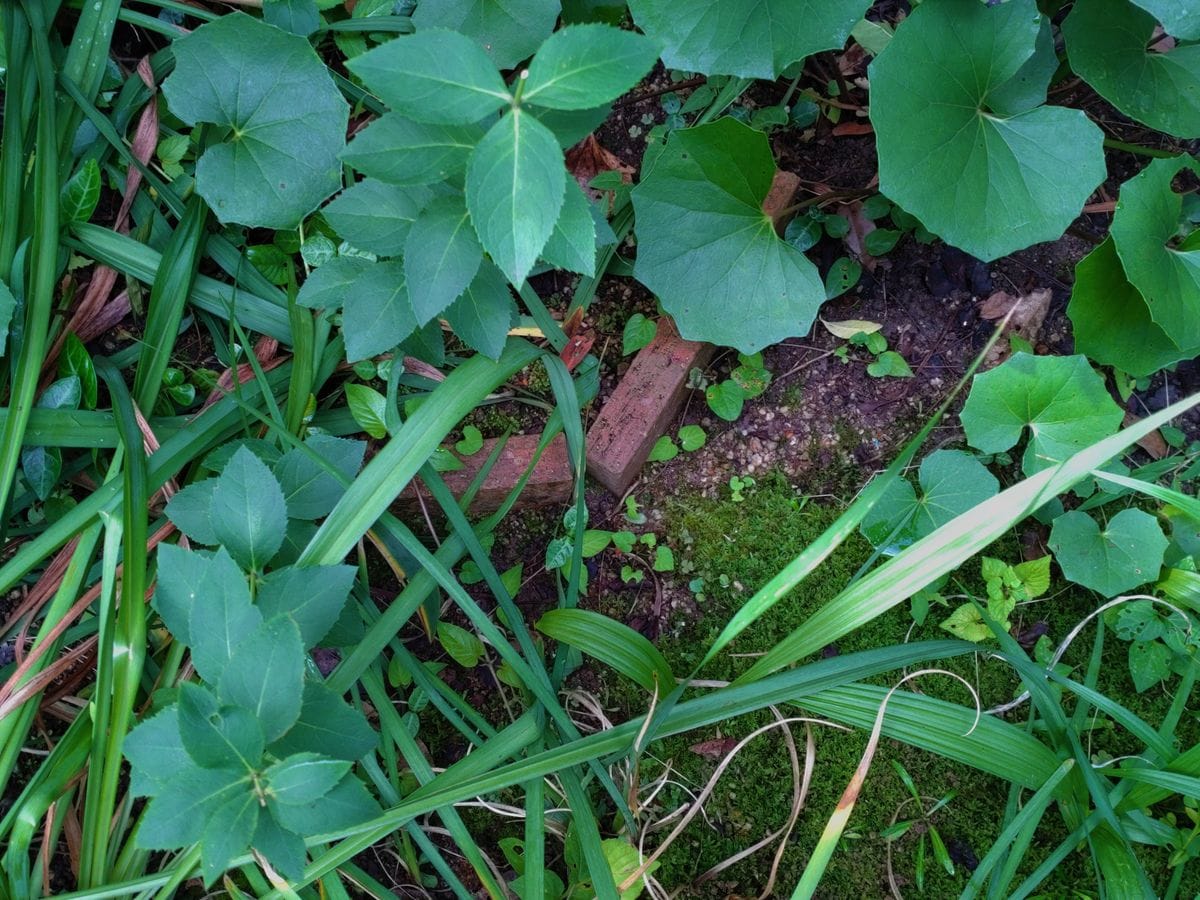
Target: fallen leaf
589, 158
860, 227
1028, 314
577, 348
852, 129
848, 328
1153, 443
717, 748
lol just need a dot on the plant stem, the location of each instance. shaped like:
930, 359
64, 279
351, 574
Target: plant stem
1138, 149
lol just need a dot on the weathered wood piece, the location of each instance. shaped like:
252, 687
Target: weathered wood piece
551, 481
643, 405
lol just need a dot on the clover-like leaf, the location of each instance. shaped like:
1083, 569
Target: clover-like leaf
509, 30
515, 187
286, 120
1060, 399
583, 66
756, 39
1107, 39
1127, 553
708, 250
988, 178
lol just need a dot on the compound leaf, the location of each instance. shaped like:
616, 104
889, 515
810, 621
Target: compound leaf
708, 250
1127, 553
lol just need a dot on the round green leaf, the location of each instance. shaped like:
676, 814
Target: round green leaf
637, 333
1165, 270
692, 437
983, 175
725, 398
509, 30
516, 183
1060, 399
708, 250
1127, 553
753, 40
436, 76
582, 66
1107, 39
1178, 17
286, 120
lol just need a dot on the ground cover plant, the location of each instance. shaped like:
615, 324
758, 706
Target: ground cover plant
300, 300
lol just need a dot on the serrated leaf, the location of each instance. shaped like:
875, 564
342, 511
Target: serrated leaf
376, 216
441, 257
509, 30
265, 675
664, 449
583, 66
485, 312
1107, 40
155, 752
313, 597
326, 726
283, 849
1059, 399
1127, 553
347, 805
706, 248
572, 243
638, 332
212, 593
80, 194
178, 817
377, 314
227, 834
286, 117
216, 737
303, 777
189, 510
436, 76
516, 183
309, 490
753, 40
462, 645
249, 514
369, 409
397, 150
983, 179
328, 286
1149, 664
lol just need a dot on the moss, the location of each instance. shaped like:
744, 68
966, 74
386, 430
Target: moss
749, 542
493, 421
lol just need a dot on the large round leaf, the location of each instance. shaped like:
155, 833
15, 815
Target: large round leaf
286, 120
1164, 268
509, 30
708, 250
751, 38
1060, 399
1178, 17
981, 172
1127, 553
1106, 40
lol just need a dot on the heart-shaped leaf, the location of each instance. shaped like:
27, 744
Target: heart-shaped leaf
1127, 553
286, 120
985, 174
708, 250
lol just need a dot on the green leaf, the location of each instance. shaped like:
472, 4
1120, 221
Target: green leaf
378, 314
398, 150
623, 860
595, 541
570, 126
462, 645
471, 443
309, 490
227, 834
583, 66
613, 643
75, 360
638, 332
249, 513
1127, 553
435, 76
283, 849
966, 623
753, 380
1166, 272
8, 305
725, 398
81, 193
304, 777
441, 257
215, 737
1034, 575
1107, 40
347, 805
326, 726
706, 248
313, 597
271, 261
509, 30
515, 189
155, 752
1112, 321
266, 675
753, 40
951, 481
842, 276
692, 438
1178, 17
212, 594
329, 285
41, 467
987, 179
178, 816
376, 216
664, 559
369, 409
485, 312
286, 119
664, 449
1149, 664
572, 244
889, 364
297, 16
1059, 398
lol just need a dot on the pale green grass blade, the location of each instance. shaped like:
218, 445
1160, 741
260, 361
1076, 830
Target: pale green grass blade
1190, 506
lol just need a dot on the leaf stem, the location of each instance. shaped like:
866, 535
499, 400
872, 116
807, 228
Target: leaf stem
1138, 149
